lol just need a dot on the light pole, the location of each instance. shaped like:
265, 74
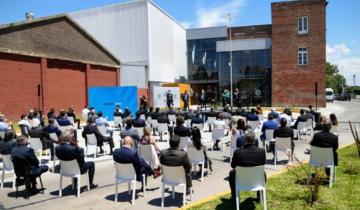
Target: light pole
229, 16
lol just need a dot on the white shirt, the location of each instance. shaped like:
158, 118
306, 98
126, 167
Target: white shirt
288, 119
85, 113
219, 124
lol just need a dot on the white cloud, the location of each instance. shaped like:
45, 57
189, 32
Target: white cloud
186, 24
349, 65
213, 15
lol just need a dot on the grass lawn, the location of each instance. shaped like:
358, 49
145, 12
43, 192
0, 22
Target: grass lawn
284, 193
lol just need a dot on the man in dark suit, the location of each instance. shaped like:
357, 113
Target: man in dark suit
24, 152
169, 99
128, 130
197, 119
8, 143
68, 150
189, 115
126, 154
51, 128
283, 132
155, 115
37, 132
186, 99
71, 113
62, 120
171, 111
202, 99
175, 157
326, 139
247, 156
180, 129
301, 118
91, 128
138, 123
164, 119
253, 116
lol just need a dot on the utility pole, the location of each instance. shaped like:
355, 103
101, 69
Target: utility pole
229, 16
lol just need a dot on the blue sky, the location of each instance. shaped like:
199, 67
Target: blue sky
343, 18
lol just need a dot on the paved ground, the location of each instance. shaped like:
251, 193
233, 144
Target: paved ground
103, 197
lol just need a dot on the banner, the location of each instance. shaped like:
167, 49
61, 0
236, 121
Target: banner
159, 96
106, 98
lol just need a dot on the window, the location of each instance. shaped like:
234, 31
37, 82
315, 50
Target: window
303, 25
302, 56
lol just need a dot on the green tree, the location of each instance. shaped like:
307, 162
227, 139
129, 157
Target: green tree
334, 79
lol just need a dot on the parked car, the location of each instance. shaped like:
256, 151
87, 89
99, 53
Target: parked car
344, 97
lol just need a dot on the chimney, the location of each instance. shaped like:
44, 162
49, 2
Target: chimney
29, 15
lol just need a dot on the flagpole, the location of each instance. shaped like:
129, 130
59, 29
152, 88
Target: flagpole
231, 66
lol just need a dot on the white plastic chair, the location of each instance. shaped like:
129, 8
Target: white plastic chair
172, 118
323, 157
64, 128
197, 157
188, 123
309, 125
162, 128
7, 166
117, 120
102, 130
253, 124
125, 173
218, 134
174, 176
154, 124
184, 143
233, 146
269, 136
198, 125
91, 141
140, 131
2, 134
210, 121
147, 152
282, 144
301, 130
71, 119
70, 169
36, 145
250, 179
143, 117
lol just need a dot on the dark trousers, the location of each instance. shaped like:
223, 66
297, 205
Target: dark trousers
110, 141
186, 106
202, 104
232, 175
90, 167
188, 180
78, 122
36, 172
48, 144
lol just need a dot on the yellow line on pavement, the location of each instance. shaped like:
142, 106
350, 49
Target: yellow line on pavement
220, 194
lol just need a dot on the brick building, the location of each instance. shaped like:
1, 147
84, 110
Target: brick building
275, 64
50, 63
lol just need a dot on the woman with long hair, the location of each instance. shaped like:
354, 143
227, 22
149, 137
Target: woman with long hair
333, 119
240, 128
147, 138
196, 143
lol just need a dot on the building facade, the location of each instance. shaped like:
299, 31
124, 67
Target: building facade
50, 63
275, 64
150, 44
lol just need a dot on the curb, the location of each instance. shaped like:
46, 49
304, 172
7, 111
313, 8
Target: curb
220, 194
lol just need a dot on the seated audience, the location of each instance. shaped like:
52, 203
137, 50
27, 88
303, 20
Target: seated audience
240, 128
92, 114
287, 115
37, 132
22, 151
226, 113
283, 132
189, 115
3, 125
270, 124
274, 113
128, 130
311, 111
127, 155
259, 110
247, 156
63, 120
118, 112
101, 121
85, 113
91, 128
8, 143
197, 119
51, 114
164, 119
24, 125
171, 111
69, 150
138, 122
175, 157
320, 123
196, 143
301, 118
236, 116
180, 130
325, 139
155, 115
253, 116
333, 120
52, 128
147, 138
71, 113
126, 113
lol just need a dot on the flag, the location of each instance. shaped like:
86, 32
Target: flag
204, 58
193, 55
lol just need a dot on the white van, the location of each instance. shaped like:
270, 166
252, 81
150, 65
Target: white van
329, 94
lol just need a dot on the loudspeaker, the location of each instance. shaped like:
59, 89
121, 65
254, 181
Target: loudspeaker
316, 89
39, 90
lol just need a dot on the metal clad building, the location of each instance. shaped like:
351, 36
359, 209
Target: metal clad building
150, 43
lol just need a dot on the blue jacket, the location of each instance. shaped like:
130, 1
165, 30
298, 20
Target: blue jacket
62, 121
269, 124
52, 129
252, 117
127, 155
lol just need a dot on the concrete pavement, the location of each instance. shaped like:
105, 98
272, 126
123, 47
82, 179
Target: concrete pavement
103, 196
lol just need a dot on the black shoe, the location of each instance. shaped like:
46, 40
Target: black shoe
101, 152
188, 191
93, 186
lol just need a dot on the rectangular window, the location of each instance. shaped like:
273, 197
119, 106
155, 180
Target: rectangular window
303, 25
302, 56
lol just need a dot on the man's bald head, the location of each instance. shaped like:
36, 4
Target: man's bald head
128, 141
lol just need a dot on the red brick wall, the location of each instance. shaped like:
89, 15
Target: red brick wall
102, 76
65, 85
19, 78
293, 84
